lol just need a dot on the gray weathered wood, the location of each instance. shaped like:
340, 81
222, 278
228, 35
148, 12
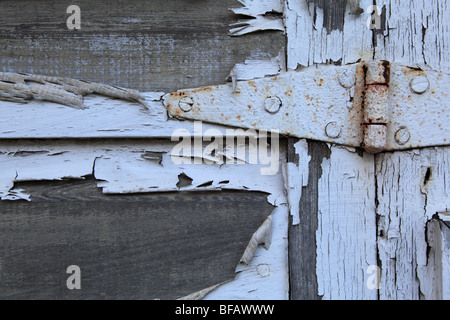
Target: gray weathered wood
302, 237
146, 246
157, 45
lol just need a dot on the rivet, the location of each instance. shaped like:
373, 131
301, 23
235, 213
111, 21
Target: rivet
272, 104
402, 136
333, 130
185, 104
263, 270
347, 79
420, 84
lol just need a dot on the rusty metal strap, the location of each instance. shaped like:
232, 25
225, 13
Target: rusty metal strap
377, 105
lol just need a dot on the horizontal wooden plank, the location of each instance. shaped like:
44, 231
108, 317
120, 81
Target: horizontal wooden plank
156, 45
144, 246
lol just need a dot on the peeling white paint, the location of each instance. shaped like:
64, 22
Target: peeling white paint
22, 87
346, 235
262, 236
131, 166
310, 43
297, 178
102, 118
273, 284
413, 34
254, 69
199, 295
260, 19
412, 188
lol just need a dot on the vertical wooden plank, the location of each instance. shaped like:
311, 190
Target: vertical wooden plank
326, 32
335, 243
346, 235
414, 33
412, 187
302, 237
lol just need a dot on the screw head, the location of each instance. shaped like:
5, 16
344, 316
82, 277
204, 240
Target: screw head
272, 104
402, 136
186, 104
347, 79
333, 130
420, 84
263, 270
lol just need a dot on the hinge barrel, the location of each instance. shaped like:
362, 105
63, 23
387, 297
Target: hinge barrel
376, 105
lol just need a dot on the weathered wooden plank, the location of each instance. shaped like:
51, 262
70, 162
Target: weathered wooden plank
302, 237
412, 188
137, 167
335, 242
146, 45
321, 32
346, 236
413, 34
144, 246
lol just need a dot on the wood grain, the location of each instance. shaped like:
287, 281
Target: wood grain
302, 238
146, 246
155, 45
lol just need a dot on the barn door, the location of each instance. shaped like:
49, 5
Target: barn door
309, 161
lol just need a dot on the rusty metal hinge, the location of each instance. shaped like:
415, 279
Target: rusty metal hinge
376, 105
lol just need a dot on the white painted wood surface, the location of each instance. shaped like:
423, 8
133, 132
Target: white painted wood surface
309, 42
415, 33
412, 33
373, 210
346, 235
412, 187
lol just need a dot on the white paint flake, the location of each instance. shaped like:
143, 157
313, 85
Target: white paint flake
263, 16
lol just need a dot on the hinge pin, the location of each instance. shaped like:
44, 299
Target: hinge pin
376, 102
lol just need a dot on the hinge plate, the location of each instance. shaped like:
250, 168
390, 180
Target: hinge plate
407, 107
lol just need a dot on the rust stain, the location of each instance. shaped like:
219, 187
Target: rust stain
178, 94
252, 83
205, 89
238, 117
288, 93
249, 107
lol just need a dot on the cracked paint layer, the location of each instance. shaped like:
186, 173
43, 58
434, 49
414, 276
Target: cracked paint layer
264, 15
130, 166
20, 87
412, 187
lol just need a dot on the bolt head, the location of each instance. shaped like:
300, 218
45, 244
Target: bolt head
333, 130
420, 84
186, 104
347, 79
272, 104
402, 136
263, 270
